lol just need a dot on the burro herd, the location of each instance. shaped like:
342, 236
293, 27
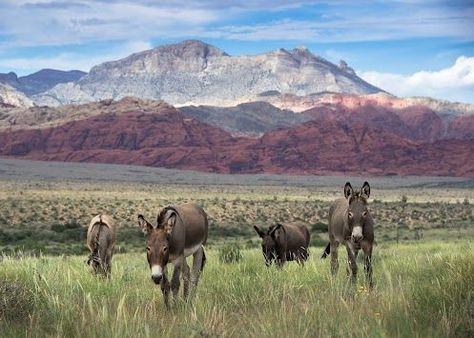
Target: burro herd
182, 230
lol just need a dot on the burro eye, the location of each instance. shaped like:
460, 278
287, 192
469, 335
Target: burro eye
351, 214
165, 248
148, 249
364, 214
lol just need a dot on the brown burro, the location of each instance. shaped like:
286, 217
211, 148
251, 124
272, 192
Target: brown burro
284, 242
101, 241
181, 231
350, 224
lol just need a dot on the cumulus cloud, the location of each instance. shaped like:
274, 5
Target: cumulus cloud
48, 22
455, 83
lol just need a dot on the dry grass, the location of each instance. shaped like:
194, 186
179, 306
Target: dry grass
421, 290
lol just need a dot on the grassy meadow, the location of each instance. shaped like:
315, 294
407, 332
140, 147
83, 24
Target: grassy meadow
423, 256
421, 290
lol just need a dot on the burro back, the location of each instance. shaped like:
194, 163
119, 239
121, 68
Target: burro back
351, 224
284, 242
101, 237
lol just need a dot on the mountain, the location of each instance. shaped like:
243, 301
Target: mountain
45, 117
40, 81
251, 119
10, 98
329, 147
132, 131
414, 122
445, 109
160, 137
195, 73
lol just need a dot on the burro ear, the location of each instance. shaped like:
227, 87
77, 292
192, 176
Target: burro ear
144, 225
348, 191
170, 223
259, 231
365, 191
275, 230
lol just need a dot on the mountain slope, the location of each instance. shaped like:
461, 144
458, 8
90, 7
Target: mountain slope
40, 81
195, 73
10, 97
253, 118
156, 134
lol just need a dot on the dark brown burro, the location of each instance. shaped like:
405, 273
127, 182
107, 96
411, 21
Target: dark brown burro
284, 242
101, 236
350, 224
181, 231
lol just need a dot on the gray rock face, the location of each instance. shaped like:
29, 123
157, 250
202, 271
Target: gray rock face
195, 73
9, 96
249, 119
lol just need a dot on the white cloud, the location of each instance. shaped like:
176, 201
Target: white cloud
364, 23
455, 83
60, 22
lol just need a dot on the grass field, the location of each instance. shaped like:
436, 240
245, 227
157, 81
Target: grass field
423, 260
422, 290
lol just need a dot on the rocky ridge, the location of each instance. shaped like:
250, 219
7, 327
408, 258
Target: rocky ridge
196, 73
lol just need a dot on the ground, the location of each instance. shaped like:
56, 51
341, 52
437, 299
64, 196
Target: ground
423, 257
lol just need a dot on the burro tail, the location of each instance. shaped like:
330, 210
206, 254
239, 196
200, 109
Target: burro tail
327, 251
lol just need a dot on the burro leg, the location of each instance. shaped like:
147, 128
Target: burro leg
165, 288
351, 258
198, 264
186, 276
367, 249
175, 282
334, 261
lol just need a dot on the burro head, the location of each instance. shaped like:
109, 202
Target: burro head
357, 212
157, 244
269, 238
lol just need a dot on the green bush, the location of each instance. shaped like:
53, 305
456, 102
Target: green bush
230, 253
319, 227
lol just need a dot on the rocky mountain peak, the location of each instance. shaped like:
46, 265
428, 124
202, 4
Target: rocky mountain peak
345, 67
10, 77
302, 53
195, 73
191, 49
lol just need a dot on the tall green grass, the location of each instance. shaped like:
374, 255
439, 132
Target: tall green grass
421, 290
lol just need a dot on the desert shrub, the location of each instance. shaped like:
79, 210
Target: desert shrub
319, 227
230, 253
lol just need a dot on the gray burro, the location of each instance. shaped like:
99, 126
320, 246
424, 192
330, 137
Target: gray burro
181, 231
351, 224
284, 242
101, 236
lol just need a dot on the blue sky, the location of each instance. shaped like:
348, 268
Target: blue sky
408, 47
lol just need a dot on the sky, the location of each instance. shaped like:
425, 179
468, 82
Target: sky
406, 47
